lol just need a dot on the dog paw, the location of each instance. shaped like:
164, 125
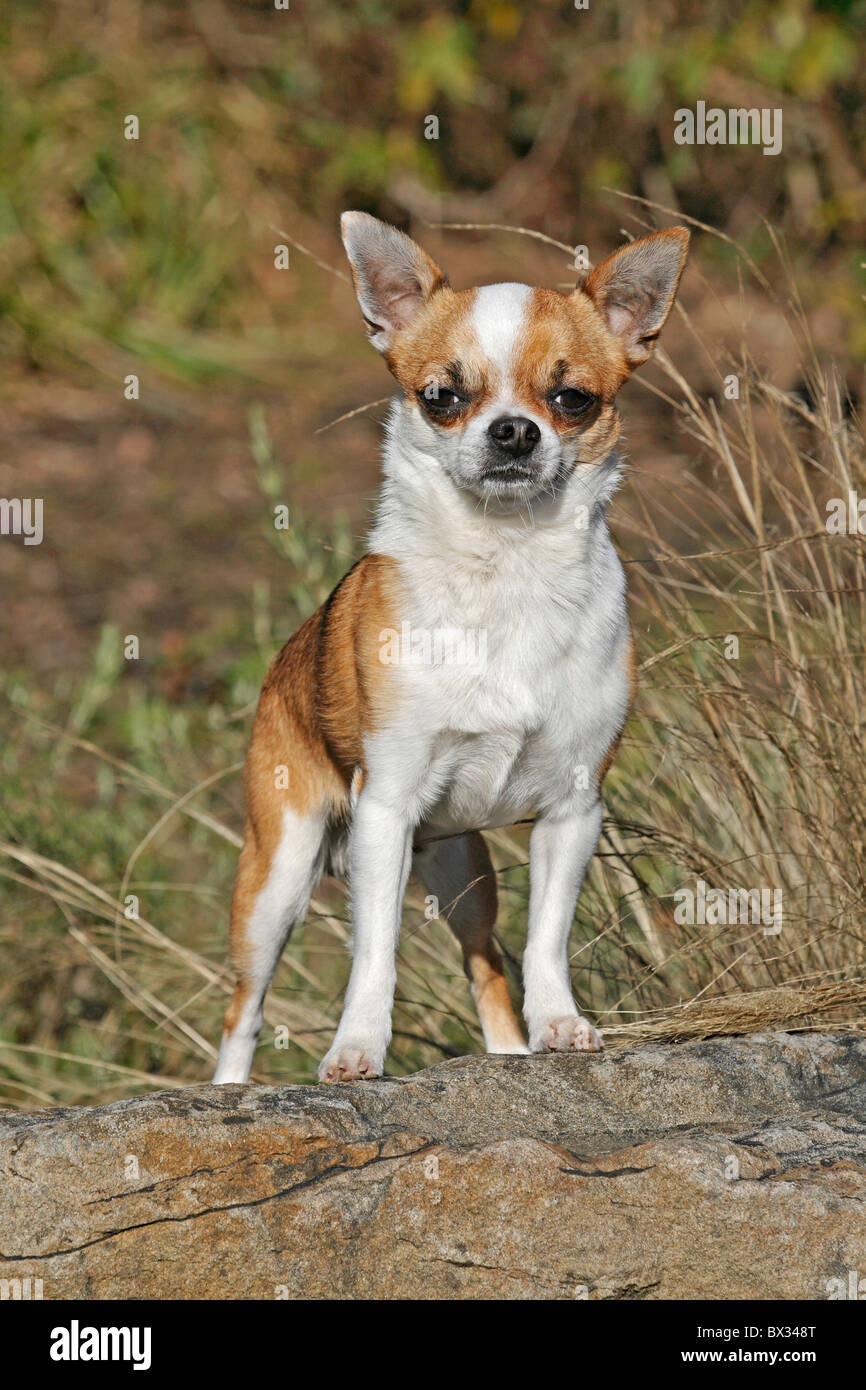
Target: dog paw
570, 1034
350, 1063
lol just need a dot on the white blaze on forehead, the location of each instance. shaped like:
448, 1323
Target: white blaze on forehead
499, 320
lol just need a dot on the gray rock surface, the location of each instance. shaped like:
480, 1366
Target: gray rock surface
728, 1169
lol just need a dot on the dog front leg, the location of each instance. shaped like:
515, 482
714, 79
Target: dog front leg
559, 854
379, 860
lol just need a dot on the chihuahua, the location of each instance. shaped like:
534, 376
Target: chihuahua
476, 667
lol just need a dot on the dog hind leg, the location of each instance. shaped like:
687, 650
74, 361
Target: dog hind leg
289, 800
458, 872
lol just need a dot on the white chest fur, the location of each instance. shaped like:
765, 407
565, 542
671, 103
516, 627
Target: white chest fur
512, 656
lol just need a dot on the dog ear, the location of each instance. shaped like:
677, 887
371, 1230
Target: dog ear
393, 276
636, 286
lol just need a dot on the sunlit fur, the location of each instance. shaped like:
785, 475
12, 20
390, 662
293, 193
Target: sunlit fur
390, 761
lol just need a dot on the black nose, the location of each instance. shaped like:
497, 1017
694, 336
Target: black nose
514, 435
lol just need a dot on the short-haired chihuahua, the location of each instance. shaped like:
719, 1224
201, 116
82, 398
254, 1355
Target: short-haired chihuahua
475, 668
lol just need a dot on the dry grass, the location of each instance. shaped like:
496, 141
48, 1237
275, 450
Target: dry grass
753, 769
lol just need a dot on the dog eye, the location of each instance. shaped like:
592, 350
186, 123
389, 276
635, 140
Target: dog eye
571, 400
439, 399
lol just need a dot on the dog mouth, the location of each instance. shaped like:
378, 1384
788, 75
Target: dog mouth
510, 473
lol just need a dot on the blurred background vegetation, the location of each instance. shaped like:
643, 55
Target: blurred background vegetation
158, 249
155, 257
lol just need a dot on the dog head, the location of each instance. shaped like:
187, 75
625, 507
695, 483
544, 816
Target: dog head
511, 388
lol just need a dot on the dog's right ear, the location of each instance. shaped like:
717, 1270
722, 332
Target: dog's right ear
393, 276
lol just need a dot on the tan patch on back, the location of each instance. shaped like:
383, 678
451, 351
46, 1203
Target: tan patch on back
356, 689
328, 687
325, 690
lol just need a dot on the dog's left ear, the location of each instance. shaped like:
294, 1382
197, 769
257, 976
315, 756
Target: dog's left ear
635, 288
393, 276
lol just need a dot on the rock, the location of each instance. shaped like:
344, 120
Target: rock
727, 1169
